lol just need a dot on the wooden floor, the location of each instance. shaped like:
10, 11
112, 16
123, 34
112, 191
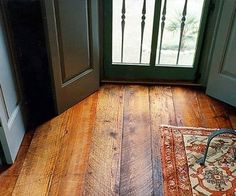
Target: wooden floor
109, 143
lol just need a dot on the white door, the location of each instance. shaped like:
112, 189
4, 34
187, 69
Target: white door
11, 115
222, 79
74, 49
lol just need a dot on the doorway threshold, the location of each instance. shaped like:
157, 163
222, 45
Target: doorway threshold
155, 82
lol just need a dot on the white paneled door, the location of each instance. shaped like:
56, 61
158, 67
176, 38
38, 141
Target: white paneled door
11, 113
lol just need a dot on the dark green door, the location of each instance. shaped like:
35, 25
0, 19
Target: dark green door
222, 78
74, 49
154, 39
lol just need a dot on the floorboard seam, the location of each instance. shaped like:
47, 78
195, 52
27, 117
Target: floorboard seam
122, 136
173, 102
52, 175
151, 135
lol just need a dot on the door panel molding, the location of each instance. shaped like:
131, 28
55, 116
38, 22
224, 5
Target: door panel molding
230, 25
4, 103
222, 78
12, 132
66, 77
77, 77
73, 37
12, 122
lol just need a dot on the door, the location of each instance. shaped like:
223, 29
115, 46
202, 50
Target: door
154, 39
12, 127
222, 79
74, 49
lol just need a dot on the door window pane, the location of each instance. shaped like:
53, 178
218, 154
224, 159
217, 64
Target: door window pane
134, 13
178, 32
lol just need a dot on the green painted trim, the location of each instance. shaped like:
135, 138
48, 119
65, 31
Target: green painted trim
155, 33
149, 71
222, 78
107, 33
200, 38
209, 40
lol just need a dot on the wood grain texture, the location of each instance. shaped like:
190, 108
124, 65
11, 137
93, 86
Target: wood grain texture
213, 112
108, 144
71, 164
136, 163
10, 174
103, 173
233, 120
14, 170
194, 108
187, 108
40, 161
231, 111
162, 112
28, 138
7, 185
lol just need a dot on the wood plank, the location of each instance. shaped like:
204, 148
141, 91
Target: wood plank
195, 109
14, 170
232, 117
9, 174
162, 112
187, 108
67, 156
231, 111
214, 112
40, 161
7, 185
103, 173
28, 138
136, 164
71, 165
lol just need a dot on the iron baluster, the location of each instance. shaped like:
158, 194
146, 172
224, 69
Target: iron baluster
123, 11
142, 29
183, 19
162, 29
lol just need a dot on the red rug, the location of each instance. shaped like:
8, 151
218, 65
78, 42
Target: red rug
182, 147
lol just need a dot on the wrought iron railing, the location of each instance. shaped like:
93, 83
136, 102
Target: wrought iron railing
183, 19
123, 29
182, 22
163, 18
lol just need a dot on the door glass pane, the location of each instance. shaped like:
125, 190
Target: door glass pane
178, 32
132, 16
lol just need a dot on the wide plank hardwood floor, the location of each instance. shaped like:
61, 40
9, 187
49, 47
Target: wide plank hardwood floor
108, 144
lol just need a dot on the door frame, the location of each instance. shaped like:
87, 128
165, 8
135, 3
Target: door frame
152, 73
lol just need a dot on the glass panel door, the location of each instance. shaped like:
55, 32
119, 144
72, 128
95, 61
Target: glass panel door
178, 32
153, 39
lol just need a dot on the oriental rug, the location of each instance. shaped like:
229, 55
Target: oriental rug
181, 147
